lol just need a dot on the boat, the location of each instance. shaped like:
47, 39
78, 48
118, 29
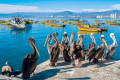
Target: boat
4, 23
75, 23
97, 20
89, 26
57, 25
92, 29
17, 28
42, 22
89, 32
114, 23
49, 24
99, 23
109, 21
117, 21
16, 23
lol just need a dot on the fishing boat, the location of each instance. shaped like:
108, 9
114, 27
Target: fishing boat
89, 32
16, 23
97, 20
92, 29
75, 23
48, 23
89, 26
109, 21
117, 21
58, 25
114, 23
17, 28
4, 23
42, 22
98, 23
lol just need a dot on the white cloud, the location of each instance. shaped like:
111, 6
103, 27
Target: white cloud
116, 6
5, 8
94, 10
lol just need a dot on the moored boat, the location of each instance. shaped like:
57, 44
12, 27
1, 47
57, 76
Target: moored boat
92, 29
57, 25
114, 23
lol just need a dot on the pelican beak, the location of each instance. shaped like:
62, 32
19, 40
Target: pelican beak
106, 44
115, 40
45, 42
51, 40
94, 40
36, 48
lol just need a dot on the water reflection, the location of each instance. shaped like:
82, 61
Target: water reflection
88, 32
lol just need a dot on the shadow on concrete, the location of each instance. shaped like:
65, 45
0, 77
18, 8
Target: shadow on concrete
101, 63
63, 64
83, 78
45, 74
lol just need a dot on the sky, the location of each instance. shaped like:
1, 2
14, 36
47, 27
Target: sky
12, 6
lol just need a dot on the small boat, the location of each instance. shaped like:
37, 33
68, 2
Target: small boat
117, 21
114, 23
109, 21
89, 26
97, 20
92, 29
42, 22
4, 23
57, 25
89, 32
99, 23
17, 28
49, 24
75, 23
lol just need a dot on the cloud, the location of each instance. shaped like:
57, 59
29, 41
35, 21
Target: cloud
94, 10
116, 6
5, 8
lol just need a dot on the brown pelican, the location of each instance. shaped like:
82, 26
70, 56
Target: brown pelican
111, 48
91, 48
53, 50
65, 48
72, 37
30, 61
93, 41
99, 53
6, 69
77, 51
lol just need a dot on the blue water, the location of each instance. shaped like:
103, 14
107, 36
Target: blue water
14, 45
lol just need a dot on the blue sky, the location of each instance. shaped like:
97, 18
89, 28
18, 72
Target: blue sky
11, 6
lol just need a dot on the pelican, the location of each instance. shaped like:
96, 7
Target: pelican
6, 69
54, 49
73, 46
81, 39
65, 48
77, 51
30, 61
111, 48
72, 37
99, 53
91, 48
93, 41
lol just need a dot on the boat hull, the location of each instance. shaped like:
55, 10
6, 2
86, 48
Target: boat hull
92, 29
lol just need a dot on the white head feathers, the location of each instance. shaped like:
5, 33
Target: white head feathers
92, 34
102, 36
112, 34
65, 32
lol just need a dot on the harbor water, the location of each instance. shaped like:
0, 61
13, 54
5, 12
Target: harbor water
14, 45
